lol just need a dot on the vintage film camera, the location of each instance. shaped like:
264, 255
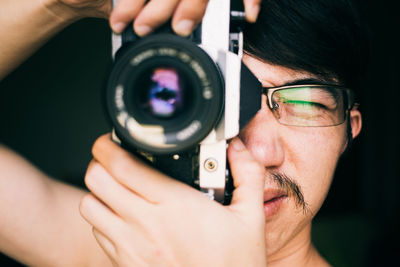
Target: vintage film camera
176, 101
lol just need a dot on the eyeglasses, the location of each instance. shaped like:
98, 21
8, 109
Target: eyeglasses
310, 105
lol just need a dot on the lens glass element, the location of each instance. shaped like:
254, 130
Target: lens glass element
163, 91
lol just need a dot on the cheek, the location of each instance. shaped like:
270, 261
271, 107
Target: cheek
311, 158
315, 155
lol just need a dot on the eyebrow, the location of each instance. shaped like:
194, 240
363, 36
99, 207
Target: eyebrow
306, 81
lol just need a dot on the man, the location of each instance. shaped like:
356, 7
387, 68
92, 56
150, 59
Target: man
282, 169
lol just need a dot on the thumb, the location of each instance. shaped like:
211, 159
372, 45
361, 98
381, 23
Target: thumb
248, 178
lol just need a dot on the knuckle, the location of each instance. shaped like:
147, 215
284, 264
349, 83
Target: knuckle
85, 203
152, 20
128, 6
89, 179
97, 145
100, 145
195, 12
94, 177
91, 174
124, 14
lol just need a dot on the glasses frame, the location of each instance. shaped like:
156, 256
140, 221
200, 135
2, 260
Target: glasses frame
351, 102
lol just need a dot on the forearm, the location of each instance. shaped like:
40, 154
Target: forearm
25, 26
40, 224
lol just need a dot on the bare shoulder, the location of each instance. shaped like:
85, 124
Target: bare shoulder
40, 224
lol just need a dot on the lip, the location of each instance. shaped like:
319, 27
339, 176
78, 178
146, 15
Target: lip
273, 200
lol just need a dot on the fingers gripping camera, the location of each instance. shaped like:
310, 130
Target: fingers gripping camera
176, 101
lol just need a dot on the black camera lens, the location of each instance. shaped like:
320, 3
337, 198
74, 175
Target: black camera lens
165, 94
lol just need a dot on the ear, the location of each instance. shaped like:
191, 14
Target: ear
355, 122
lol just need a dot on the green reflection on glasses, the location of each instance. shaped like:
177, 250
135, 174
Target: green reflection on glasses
310, 105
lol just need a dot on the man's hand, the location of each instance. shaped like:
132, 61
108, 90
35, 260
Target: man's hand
147, 16
186, 14
142, 217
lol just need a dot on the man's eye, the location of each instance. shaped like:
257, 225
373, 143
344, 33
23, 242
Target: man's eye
303, 104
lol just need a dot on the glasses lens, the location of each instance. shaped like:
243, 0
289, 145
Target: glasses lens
310, 106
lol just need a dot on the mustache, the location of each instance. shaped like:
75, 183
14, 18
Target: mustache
291, 189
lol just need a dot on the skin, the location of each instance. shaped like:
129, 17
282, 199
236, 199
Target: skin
130, 201
266, 147
167, 230
42, 19
29, 199
307, 154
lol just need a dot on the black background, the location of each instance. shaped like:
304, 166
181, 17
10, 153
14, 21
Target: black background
51, 112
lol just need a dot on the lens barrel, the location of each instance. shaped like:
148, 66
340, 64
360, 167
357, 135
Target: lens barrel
164, 95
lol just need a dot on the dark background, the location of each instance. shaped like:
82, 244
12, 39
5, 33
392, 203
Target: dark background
51, 113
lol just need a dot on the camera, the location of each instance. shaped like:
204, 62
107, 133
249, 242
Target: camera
175, 102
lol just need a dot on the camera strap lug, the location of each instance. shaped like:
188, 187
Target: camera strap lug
212, 166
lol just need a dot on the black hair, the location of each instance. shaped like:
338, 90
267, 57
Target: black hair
327, 38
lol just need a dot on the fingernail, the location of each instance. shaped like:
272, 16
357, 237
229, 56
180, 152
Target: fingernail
118, 27
143, 30
184, 27
238, 144
252, 13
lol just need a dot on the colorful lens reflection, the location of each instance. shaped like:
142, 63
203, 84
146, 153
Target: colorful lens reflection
165, 92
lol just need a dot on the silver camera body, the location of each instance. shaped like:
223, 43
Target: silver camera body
189, 141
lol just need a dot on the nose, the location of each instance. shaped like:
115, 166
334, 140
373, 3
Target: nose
263, 139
